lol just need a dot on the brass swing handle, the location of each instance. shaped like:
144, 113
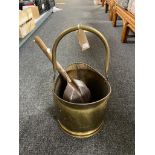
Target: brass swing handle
48, 53
87, 28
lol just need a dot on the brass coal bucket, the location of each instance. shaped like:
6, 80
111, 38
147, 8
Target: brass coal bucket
82, 120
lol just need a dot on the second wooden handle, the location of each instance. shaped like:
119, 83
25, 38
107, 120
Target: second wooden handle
48, 53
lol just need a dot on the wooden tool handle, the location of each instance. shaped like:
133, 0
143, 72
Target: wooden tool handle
48, 53
42, 45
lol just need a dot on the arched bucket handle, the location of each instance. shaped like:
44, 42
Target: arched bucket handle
87, 28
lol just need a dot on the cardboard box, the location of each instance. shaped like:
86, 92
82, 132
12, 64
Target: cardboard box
34, 10
26, 22
26, 28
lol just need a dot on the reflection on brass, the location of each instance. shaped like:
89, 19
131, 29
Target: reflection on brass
82, 120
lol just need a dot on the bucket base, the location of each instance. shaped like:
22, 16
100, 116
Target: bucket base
81, 134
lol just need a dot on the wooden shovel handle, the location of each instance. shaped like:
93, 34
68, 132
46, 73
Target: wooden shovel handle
48, 53
42, 45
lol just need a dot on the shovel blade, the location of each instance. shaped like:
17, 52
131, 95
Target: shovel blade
77, 92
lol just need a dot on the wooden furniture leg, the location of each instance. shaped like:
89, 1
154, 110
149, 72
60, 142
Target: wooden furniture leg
110, 13
103, 1
111, 6
114, 20
106, 7
125, 31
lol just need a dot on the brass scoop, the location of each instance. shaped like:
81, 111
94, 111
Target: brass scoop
76, 90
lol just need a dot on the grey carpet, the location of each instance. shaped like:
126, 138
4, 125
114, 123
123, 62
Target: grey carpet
39, 131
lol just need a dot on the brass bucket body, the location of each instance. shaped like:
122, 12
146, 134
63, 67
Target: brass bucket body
82, 120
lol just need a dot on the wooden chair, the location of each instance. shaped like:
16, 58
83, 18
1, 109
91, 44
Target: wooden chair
102, 1
111, 5
128, 20
108, 6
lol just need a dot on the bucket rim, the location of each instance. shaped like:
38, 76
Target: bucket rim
87, 103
